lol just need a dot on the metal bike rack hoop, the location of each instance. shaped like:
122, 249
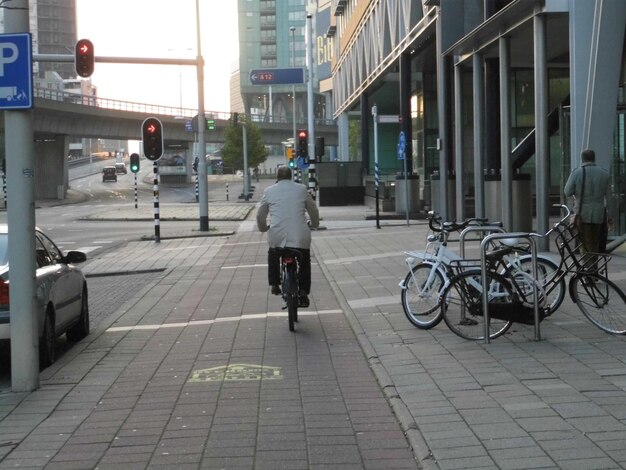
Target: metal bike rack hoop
483, 268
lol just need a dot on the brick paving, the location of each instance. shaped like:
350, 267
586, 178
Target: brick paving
199, 370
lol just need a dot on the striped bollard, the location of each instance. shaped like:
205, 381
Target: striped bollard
155, 190
4, 188
197, 189
135, 190
376, 185
312, 179
227, 191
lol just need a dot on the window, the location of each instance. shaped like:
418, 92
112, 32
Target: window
50, 254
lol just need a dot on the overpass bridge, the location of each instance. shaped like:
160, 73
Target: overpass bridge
57, 116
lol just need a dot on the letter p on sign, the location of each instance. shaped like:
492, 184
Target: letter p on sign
8, 56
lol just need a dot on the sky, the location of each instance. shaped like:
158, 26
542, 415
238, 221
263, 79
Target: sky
163, 29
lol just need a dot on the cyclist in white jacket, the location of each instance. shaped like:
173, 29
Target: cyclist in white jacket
287, 202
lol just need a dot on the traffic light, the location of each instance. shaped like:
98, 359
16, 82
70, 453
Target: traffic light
292, 163
134, 162
152, 135
194, 165
210, 124
303, 143
234, 119
319, 148
84, 58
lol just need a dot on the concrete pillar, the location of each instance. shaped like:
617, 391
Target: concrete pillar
505, 134
343, 134
596, 51
51, 172
458, 142
542, 144
365, 133
479, 146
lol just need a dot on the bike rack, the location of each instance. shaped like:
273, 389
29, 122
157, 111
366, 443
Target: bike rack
489, 229
483, 268
479, 228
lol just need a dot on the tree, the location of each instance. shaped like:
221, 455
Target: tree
232, 151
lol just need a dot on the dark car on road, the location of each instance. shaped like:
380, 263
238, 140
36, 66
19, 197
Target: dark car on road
62, 305
109, 173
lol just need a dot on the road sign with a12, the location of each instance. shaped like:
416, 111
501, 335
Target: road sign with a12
16, 71
284, 76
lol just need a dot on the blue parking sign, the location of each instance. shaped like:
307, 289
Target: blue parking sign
16, 71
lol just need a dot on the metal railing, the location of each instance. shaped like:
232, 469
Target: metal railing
174, 111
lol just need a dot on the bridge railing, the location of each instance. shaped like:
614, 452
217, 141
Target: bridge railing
107, 103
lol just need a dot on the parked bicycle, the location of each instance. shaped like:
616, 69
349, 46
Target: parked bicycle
510, 293
430, 270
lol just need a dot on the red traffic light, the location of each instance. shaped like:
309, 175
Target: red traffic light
84, 58
152, 136
303, 143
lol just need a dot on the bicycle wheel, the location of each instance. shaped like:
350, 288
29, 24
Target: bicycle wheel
462, 307
601, 301
420, 295
292, 310
548, 275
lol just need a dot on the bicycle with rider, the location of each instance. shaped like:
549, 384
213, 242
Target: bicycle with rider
287, 204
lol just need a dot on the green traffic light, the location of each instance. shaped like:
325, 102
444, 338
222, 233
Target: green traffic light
292, 163
210, 124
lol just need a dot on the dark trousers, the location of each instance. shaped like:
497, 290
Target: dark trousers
590, 235
273, 269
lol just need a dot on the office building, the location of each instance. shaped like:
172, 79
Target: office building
496, 99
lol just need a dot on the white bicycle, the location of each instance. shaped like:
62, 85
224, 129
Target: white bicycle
430, 271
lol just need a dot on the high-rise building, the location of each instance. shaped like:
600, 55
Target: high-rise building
272, 35
53, 27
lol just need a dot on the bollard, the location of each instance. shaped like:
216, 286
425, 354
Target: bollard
227, 191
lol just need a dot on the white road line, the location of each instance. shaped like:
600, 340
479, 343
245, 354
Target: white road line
252, 316
364, 257
245, 266
87, 249
374, 301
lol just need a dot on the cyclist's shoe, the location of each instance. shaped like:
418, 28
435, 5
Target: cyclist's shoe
303, 300
276, 290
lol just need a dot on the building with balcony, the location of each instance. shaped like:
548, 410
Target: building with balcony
272, 35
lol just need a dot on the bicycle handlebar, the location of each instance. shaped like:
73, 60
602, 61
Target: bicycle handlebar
433, 218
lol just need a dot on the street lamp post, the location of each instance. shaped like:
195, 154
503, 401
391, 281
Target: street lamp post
293, 93
203, 195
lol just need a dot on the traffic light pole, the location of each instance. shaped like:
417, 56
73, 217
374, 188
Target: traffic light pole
246, 188
310, 114
155, 192
203, 196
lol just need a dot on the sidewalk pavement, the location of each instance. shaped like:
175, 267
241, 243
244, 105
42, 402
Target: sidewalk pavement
199, 370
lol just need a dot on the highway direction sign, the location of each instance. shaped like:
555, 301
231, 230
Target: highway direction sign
286, 76
16, 69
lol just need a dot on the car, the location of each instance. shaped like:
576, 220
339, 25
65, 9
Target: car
120, 168
109, 173
62, 298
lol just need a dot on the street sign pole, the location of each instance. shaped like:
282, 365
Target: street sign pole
402, 156
376, 169
20, 156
